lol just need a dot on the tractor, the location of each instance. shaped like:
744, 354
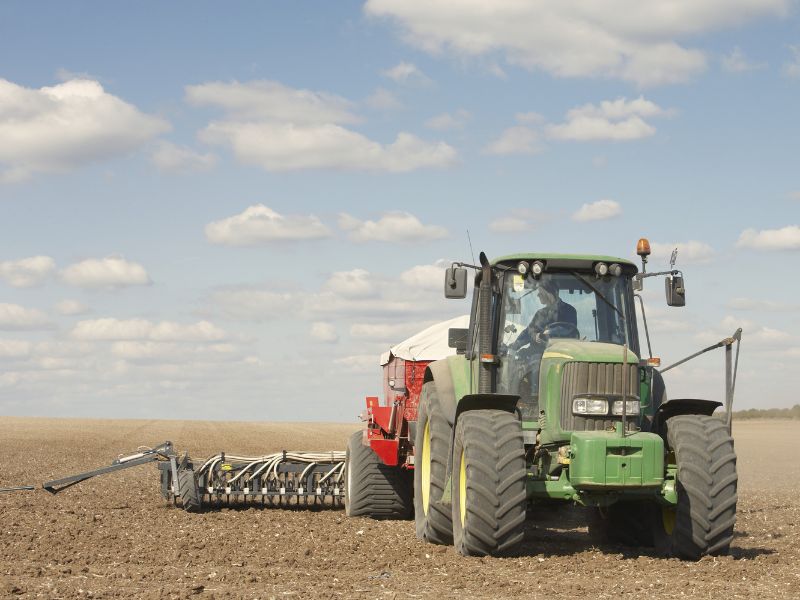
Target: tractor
548, 398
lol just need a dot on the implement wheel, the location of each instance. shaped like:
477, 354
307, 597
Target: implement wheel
191, 499
702, 521
373, 489
489, 476
431, 450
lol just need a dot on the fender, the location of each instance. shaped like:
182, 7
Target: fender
681, 406
439, 372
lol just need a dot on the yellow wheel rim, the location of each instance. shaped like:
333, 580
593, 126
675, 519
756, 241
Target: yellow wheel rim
425, 467
462, 489
668, 520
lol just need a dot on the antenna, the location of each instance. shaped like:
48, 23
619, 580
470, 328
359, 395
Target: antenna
673, 258
471, 251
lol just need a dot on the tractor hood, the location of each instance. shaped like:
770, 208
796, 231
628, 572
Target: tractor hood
581, 351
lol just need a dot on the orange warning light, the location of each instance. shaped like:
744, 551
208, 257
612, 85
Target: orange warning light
643, 247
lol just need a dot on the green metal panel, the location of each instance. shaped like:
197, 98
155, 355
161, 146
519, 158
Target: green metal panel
460, 371
603, 459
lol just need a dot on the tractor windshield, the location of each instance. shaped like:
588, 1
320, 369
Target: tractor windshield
535, 312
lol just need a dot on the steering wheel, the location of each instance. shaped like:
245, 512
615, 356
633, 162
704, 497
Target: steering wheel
564, 328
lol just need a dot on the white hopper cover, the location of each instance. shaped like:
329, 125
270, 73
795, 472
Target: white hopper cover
428, 344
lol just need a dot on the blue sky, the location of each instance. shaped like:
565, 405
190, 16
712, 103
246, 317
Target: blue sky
231, 213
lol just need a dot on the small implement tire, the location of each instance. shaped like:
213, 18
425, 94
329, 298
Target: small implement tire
191, 499
373, 489
702, 521
626, 523
489, 475
433, 519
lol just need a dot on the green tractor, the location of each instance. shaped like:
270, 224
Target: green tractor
548, 399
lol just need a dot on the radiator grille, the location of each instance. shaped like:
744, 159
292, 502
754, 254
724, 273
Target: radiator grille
603, 379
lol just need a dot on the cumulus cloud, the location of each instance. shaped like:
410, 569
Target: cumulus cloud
112, 272
27, 272
253, 304
324, 332
689, 252
615, 120
786, 238
519, 139
169, 352
598, 211
358, 363
426, 277
142, 329
624, 39
283, 129
71, 307
14, 349
791, 68
518, 220
14, 317
171, 157
391, 333
68, 125
259, 224
448, 121
357, 283
405, 72
737, 62
394, 226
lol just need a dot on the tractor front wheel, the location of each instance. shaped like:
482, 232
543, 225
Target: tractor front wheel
431, 450
489, 475
702, 521
373, 489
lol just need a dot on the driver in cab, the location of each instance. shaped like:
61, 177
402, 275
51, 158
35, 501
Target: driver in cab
554, 311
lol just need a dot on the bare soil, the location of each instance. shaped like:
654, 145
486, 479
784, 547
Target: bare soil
115, 537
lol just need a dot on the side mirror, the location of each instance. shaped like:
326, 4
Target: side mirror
455, 283
676, 293
457, 338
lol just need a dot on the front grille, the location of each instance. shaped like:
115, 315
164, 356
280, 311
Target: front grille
601, 379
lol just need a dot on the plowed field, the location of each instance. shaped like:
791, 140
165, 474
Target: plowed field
115, 537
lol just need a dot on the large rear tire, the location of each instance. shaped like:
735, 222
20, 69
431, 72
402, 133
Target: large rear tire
702, 521
489, 475
373, 489
433, 519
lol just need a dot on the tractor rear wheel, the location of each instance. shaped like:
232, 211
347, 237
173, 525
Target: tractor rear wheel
702, 521
191, 499
433, 519
373, 489
489, 474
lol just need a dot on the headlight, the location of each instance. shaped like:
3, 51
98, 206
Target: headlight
589, 406
631, 409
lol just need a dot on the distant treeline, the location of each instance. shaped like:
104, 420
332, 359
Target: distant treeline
768, 413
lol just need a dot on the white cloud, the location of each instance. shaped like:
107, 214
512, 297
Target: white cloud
394, 226
169, 352
518, 220
259, 224
283, 129
357, 283
625, 39
271, 100
359, 363
67, 125
786, 238
529, 118
142, 329
794, 195
14, 317
111, 272
598, 211
383, 99
391, 333
426, 277
251, 304
171, 157
288, 147
15, 349
791, 68
737, 62
71, 307
27, 272
405, 72
447, 121
761, 305
515, 140
324, 332
689, 252
616, 120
